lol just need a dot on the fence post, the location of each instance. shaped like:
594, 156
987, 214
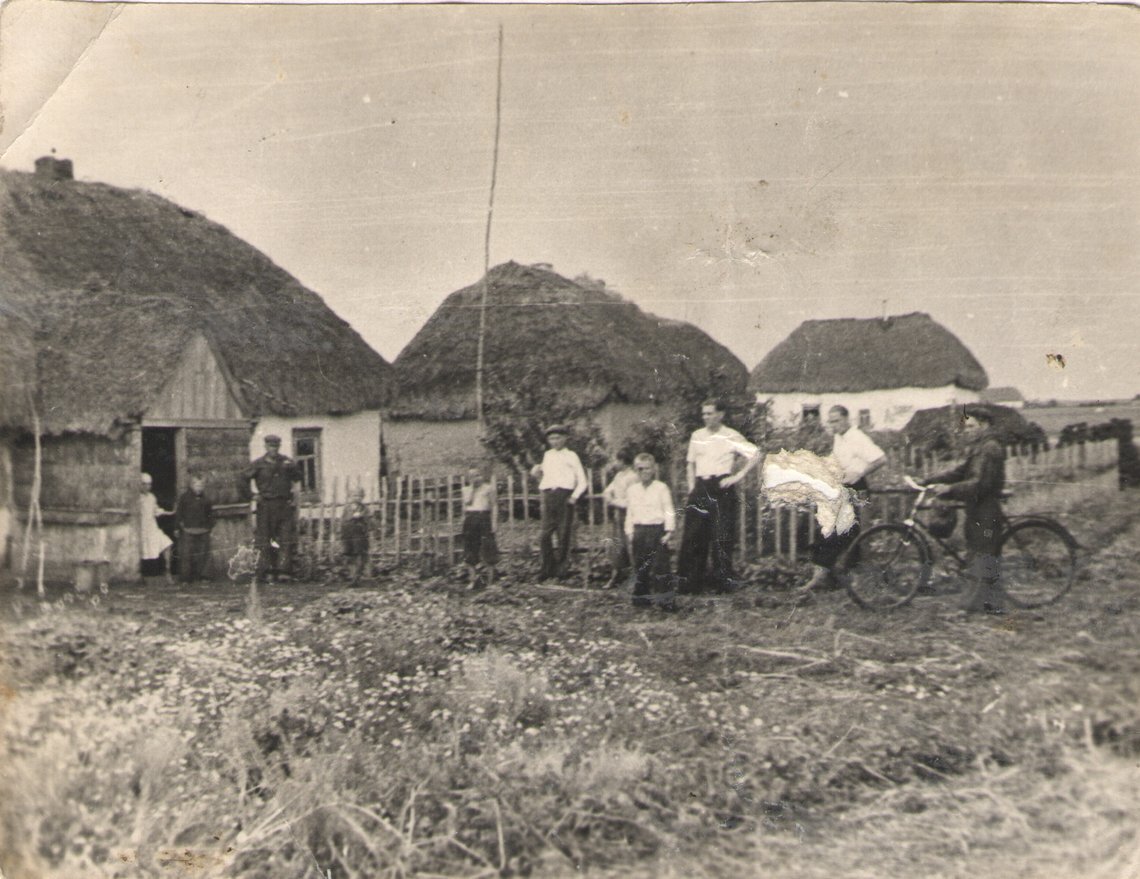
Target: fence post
383, 514
396, 517
451, 516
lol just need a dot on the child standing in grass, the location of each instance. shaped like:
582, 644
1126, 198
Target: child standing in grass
479, 545
649, 522
354, 534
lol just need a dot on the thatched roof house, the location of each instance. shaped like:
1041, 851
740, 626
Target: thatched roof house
145, 335
1003, 396
882, 368
591, 344
606, 348
63, 240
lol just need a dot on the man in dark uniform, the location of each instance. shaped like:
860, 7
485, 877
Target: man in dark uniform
977, 483
275, 475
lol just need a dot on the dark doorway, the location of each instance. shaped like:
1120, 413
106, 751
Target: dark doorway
159, 459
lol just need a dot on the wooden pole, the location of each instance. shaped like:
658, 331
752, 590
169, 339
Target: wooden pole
487, 240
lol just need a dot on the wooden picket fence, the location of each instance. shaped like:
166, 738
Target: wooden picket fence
419, 518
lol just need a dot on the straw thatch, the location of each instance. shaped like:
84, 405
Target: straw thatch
17, 367
941, 428
589, 343
850, 355
1003, 394
89, 261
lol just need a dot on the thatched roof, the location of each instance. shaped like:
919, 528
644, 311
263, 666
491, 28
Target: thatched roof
1004, 394
588, 342
17, 367
941, 427
850, 355
119, 259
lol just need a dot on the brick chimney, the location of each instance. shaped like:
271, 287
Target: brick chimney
54, 169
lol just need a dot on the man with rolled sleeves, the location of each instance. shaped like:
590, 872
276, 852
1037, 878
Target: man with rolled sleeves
859, 457
562, 480
705, 560
274, 476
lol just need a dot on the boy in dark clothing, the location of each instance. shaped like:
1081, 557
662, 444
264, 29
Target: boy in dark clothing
977, 483
194, 520
354, 535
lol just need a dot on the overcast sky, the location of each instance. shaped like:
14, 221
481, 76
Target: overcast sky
741, 167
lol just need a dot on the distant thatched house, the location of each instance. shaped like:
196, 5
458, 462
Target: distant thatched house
152, 339
882, 370
1004, 396
577, 338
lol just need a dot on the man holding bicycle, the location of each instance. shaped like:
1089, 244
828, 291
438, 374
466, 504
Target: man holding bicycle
977, 483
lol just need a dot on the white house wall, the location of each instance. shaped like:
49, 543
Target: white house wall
890, 409
350, 446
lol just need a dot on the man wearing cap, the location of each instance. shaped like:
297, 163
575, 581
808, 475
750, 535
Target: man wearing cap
710, 512
561, 482
274, 476
977, 483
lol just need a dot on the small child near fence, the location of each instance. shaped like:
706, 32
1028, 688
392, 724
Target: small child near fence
354, 534
479, 546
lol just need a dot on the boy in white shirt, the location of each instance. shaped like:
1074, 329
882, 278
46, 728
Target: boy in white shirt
615, 496
479, 545
649, 522
561, 482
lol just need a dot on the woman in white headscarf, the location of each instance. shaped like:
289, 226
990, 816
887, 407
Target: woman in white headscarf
153, 541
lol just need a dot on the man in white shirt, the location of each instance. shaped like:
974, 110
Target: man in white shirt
649, 521
710, 513
561, 482
859, 457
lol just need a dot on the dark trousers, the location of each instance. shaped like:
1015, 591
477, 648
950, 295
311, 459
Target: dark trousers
557, 519
710, 530
825, 551
276, 524
651, 574
983, 532
194, 556
619, 545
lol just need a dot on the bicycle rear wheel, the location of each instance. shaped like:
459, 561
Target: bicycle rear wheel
1038, 562
885, 566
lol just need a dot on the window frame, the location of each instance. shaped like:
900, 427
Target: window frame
308, 464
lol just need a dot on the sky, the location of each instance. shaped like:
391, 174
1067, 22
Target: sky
743, 167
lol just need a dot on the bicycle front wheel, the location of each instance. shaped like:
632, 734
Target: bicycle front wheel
1038, 562
885, 566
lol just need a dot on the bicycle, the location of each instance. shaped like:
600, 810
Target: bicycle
890, 563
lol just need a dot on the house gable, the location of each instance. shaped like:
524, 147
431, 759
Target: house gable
199, 390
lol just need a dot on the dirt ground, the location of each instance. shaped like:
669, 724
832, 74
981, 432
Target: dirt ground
412, 728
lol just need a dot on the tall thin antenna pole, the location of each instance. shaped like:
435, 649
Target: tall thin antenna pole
487, 238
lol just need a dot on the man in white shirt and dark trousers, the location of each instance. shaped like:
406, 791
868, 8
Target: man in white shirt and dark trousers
649, 520
561, 482
710, 513
859, 457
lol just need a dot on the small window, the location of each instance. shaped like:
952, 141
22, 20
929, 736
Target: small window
864, 419
307, 454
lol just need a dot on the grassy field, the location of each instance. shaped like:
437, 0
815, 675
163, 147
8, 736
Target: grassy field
411, 728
